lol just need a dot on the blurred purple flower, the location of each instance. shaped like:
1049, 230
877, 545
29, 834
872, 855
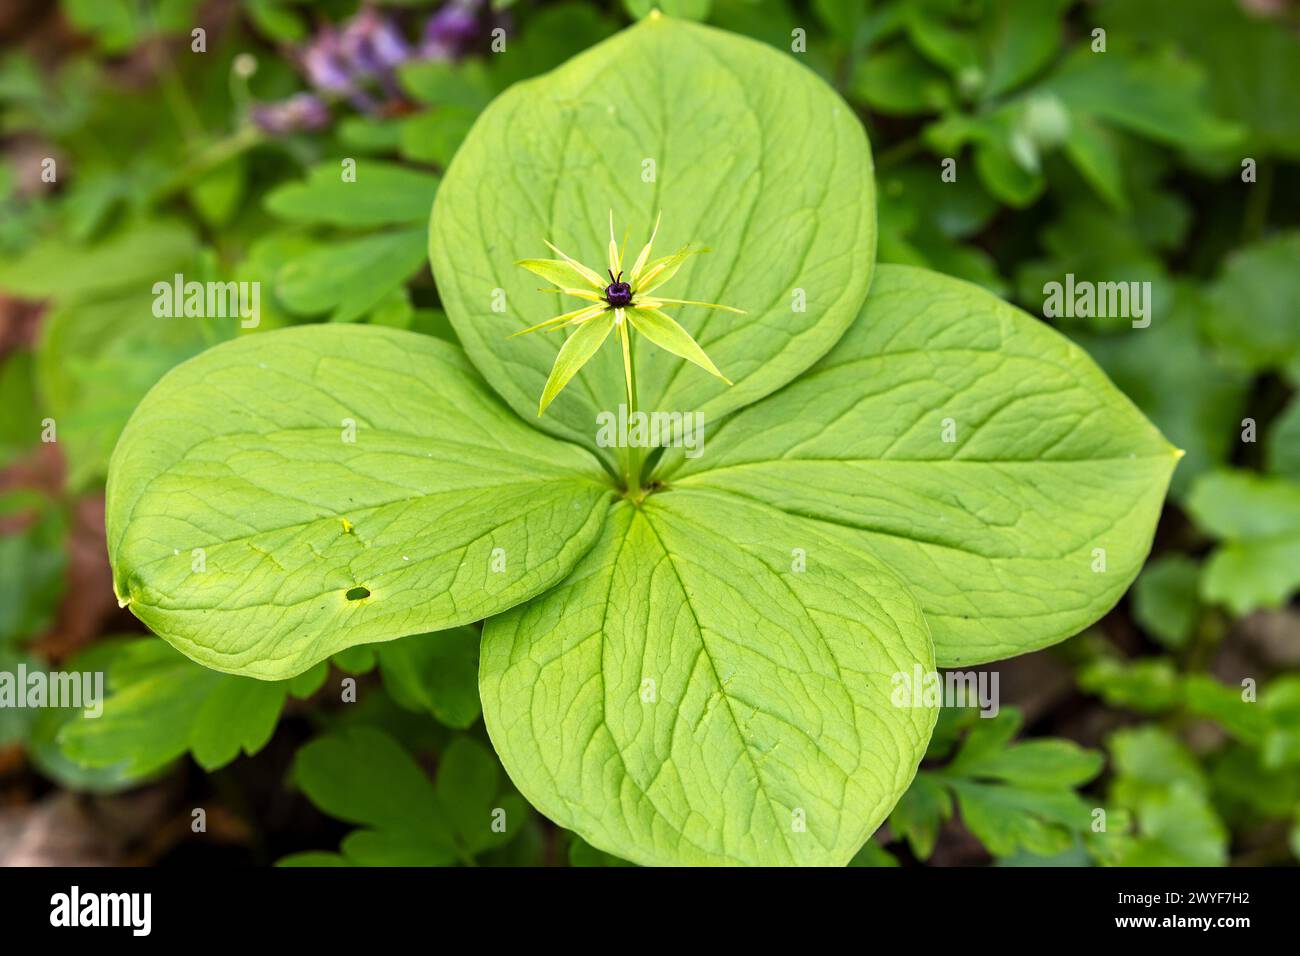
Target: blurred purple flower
373, 44
359, 59
326, 65
450, 31
299, 113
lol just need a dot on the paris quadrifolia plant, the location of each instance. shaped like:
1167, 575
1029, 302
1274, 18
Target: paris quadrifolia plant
904, 472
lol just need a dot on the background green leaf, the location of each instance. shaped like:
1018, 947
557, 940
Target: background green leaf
381, 194
365, 777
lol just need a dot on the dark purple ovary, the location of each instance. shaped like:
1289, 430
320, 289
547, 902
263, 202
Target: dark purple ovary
618, 293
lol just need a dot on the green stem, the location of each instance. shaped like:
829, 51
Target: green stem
634, 454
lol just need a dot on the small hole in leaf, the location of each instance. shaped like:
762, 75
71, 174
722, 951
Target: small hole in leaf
357, 593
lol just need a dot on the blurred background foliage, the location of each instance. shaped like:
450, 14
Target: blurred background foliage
1164, 148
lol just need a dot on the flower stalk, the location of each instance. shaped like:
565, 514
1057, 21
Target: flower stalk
634, 456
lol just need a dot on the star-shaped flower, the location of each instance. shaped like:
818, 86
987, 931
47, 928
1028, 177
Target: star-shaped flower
616, 304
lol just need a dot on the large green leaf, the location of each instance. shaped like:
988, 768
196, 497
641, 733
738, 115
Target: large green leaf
693, 694
687, 9
443, 510
996, 531
718, 115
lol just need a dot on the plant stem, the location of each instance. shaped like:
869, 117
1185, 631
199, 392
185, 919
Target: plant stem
633, 458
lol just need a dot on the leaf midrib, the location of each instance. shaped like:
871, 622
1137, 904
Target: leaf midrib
717, 679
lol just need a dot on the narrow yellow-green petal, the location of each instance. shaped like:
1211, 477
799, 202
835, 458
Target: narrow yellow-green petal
615, 260
661, 270
664, 332
587, 314
574, 317
655, 302
555, 271
578, 294
574, 354
645, 253
553, 323
591, 278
